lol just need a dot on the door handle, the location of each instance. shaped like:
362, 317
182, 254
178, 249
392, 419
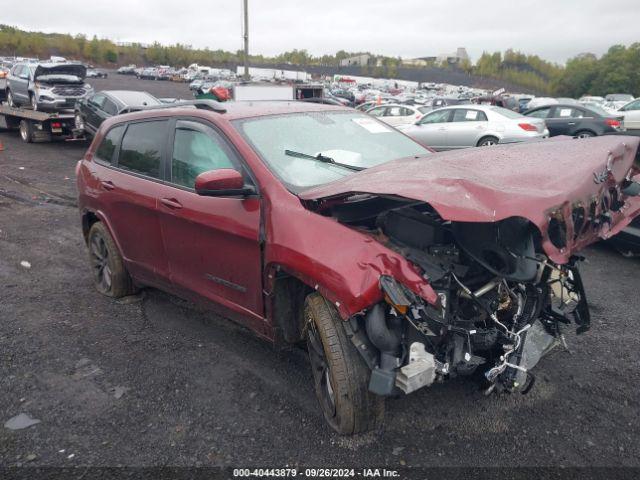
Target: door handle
571, 123
107, 185
442, 129
171, 203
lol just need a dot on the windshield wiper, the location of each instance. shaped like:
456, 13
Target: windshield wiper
322, 158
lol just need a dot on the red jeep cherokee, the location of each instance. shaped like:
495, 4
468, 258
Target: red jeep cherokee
319, 223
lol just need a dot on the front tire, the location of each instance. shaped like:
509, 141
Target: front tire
340, 374
110, 276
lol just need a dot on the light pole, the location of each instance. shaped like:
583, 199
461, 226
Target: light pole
246, 39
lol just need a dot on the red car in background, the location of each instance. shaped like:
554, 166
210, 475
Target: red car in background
319, 224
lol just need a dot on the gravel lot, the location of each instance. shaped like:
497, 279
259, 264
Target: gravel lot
158, 381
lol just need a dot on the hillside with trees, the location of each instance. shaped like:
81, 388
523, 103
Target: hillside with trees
616, 71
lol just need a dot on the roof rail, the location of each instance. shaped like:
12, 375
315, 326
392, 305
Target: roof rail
203, 104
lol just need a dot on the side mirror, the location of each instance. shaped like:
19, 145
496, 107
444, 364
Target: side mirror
225, 182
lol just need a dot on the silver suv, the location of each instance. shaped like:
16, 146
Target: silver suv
47, 86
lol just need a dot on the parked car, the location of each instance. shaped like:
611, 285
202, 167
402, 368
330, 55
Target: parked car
618, 97
149, 73
440, 102
591, 99
47, 86
399, 267
127, 70
394, 114
631, 114
92, 111
95, 73
473, 126
577, 120
363, 107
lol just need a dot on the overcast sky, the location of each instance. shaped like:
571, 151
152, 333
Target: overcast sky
554, 29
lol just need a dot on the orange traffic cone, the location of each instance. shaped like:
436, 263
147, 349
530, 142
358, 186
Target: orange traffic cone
1, 146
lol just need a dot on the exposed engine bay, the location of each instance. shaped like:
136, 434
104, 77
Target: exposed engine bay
502, 304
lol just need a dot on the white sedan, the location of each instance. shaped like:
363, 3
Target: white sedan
395, 115
631, 113
463, 126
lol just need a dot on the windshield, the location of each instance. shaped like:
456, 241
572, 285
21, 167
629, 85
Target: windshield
350, 138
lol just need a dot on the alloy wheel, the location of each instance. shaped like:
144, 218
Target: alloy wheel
100, 263
321, 370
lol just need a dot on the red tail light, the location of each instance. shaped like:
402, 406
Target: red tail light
56, 125
612, 122
528, 127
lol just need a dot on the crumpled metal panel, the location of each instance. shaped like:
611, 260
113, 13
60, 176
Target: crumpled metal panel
532, 180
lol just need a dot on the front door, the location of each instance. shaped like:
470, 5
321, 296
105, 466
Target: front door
212, 243
431, 130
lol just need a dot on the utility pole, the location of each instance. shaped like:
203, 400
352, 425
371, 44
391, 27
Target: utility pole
246, 39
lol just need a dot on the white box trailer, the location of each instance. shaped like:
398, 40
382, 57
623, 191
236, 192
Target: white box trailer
253, 92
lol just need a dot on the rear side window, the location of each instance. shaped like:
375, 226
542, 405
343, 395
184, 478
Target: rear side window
464, 115
142, 146
104, 153
542, 113
197, 149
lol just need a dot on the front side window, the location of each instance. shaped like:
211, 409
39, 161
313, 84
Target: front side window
377, 112
441, 116
109, 143
347, 137
141, 150
197, 149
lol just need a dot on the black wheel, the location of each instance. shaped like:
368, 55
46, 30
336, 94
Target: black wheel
488, 142
34, 102
585, 134
110, 276
340, 374
10, 100
26, 131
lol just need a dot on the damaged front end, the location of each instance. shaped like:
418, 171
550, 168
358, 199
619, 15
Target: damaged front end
502, 304
494, 235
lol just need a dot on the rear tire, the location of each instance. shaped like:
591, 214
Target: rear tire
110, 276
26, 131
585, 134
340, 374
10, 100
488, 142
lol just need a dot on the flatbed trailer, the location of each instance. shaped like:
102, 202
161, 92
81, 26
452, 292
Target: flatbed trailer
35, 126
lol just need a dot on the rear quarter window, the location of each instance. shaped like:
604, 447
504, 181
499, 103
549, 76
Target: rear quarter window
109, 144
142, 147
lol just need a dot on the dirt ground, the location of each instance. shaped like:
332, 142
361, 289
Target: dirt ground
160, 382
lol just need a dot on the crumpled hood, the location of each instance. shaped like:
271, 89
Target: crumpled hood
76, 69
538, 181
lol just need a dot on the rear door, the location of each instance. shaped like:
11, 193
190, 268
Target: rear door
130, 190
565, 120
465, 128
212, 243
20, 84
93, 111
